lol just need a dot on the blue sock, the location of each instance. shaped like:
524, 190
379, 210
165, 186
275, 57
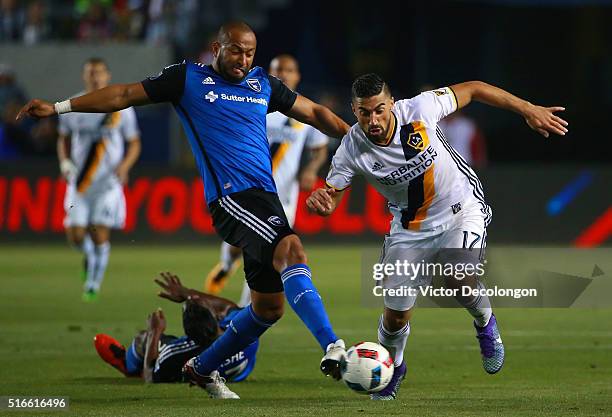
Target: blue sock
307, 304
133, 361
244, 329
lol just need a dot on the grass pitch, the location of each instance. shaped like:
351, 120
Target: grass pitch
559, 362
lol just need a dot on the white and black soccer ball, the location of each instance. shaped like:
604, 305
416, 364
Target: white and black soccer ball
368, 367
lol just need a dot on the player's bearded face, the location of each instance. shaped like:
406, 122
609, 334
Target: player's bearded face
374, 116
235, 60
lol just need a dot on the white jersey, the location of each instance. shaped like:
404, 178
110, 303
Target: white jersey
425, 181
287, 138
97, 145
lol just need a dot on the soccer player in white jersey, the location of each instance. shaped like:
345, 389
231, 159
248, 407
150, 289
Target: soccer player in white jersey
436, 200
287, 138
95, 163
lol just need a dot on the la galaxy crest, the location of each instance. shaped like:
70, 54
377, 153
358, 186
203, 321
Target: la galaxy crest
416, 141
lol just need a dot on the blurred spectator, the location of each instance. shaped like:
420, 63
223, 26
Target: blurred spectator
43, 137
171, 22
11, 21
464, 135
14, 136
185, 15
95, 25
10, 91
36, 28
128, 20
122, 24
159, 27
206, 54
81, 7
27, 136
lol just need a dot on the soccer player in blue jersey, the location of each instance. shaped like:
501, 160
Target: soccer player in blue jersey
159, 357
223, 109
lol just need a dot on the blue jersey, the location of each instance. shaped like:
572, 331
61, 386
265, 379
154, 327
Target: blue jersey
175, 351
225, 123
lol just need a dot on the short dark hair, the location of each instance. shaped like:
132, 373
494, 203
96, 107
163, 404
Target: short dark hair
199, 323
223, 35
368, 85
94, 60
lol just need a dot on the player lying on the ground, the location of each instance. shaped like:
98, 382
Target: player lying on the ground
288, 139
436, 200
159, 357
223, 109
90, 149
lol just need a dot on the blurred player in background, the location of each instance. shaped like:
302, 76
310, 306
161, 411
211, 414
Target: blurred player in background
466, 138
158, 357
436, 200
223, 109
92, 158
288, 138
463, 135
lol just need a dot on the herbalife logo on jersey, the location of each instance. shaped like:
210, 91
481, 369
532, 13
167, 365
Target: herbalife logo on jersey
209, 81
377, 166
211, 96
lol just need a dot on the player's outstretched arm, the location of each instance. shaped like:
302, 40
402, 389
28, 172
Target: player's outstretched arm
323, 201
106, 100
132, 152
174, 290
156, 324
541, 119
309, 112
308, 176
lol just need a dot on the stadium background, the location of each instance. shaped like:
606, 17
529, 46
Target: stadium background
544, 192
551, 191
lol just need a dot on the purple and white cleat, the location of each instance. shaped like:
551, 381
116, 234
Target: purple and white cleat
491, 346
390, 391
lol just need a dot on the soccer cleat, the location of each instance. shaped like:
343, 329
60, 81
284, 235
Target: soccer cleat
218, 277
491, 346
332, 361
214, 384
90, 295
390, 391
111, 352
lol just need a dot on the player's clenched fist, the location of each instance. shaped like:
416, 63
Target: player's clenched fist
37, 108
321, 201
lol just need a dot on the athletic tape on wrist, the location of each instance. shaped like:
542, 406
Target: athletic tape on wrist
63, 107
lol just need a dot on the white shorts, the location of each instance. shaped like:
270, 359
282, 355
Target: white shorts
465, 236
102, 208
290, 208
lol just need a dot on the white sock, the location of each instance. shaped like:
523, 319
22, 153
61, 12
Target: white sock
102, 254
226, 256
87, 248
245, 297
479, 307
395, 342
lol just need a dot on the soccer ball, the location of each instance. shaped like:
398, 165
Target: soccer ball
368, 367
